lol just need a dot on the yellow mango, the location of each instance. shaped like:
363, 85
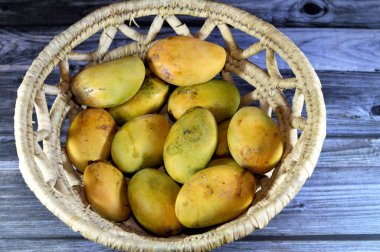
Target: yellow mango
152, 196
254, 140
190, 144
90, 136
185, 61
222, 148
220, 97
214, 195
222, 161
106, 191
148, 99
140, 142
109, 84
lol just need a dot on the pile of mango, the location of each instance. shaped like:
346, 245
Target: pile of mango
191, 169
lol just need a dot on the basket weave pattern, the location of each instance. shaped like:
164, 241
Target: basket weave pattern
49, 174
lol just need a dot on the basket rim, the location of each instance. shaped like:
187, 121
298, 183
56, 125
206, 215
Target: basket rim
231, 15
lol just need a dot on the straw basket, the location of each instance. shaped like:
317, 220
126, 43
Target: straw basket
49, 174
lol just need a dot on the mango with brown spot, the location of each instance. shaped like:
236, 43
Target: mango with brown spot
186, 61
106, 191
140, 142
220, 97
190, 144
254, 140
152, 195
214, 195
109, 84
148, 99
90, 136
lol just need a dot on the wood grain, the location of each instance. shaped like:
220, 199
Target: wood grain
327, 49
79, 245
290, 13
334, 201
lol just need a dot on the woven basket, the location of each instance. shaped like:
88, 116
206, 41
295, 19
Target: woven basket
49, 174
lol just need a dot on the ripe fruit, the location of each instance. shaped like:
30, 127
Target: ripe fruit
254, 140
106, 191
190, 144
152, 196
140, 143
90, 136
220, 97
109, 84
214, 195
185, 61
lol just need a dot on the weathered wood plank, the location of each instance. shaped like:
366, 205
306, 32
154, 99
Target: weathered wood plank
48, 245
300, 246
79, 245
334, 201
338, 13
327, 49
352, 102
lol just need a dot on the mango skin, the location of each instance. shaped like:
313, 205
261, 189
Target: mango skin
152, 195
214, 195
222, 148
90, 136
254, 140
140, 143
147, 100
106, 191
109, 84
190, 144
186, 61
222, 161
220, 97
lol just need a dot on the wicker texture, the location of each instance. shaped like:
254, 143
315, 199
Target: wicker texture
49, 174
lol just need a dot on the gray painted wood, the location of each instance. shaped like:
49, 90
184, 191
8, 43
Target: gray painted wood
327, 49
306, 13
79, 245
336, 200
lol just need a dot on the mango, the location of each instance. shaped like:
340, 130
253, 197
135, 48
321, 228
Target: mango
190, 144
222, 161
106, 191
254, 140
214, 195
152, 195
140, 143
185, 61
148, 99
109, 84
222, 148
220, 97
90, 136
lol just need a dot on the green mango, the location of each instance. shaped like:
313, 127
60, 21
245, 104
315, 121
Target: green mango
109, 84
149, 99
220, 97
190, 144
152, 195
139, 143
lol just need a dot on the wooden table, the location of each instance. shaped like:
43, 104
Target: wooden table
338, 209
